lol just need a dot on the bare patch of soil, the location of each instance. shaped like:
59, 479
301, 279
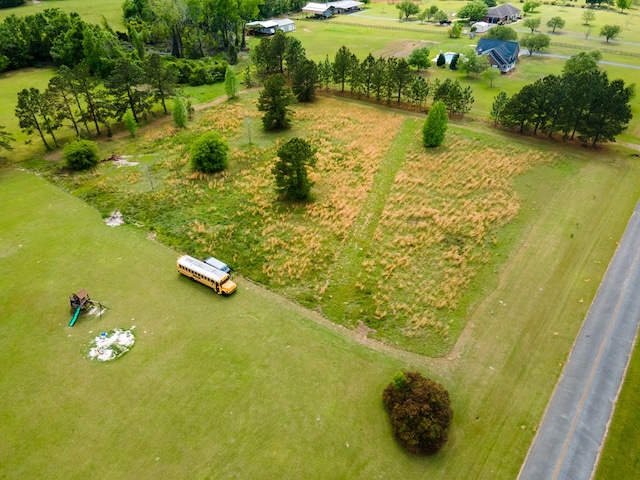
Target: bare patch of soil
401, 48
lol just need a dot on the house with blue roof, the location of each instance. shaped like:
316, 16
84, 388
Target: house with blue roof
502, 54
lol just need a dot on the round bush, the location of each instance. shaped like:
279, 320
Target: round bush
80, 154
209, 153
420, 412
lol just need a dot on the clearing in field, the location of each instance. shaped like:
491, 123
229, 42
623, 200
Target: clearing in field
402, 48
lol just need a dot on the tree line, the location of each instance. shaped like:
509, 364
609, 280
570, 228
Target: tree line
100, 76
195, 28
390, 80
580, 103
134, 85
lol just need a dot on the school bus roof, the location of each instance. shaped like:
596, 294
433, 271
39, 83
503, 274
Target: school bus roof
202, 268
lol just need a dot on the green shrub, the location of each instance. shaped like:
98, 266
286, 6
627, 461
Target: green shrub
435, 126
420, 412
130, 123
209, 153
179, 112
199, 72
80, 154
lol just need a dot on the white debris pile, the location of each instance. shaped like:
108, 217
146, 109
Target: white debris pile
121, 162
111, 345
114, 219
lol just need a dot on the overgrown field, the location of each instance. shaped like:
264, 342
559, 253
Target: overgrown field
392, 238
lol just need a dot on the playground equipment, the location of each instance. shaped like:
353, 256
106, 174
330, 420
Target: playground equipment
79, 301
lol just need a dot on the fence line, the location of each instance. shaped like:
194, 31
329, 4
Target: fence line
382, 27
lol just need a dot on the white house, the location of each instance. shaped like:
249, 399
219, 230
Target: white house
269, 27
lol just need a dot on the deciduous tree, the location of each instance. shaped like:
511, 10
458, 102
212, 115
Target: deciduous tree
502, 32
420, 412
555, 22
535, 42
473, 64
582, 62
531, 23
610, 32
491, 74
588, 16
408, 8
473, 11
419, 58
623, 4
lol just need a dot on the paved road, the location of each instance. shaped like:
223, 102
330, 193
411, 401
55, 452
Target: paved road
574, 426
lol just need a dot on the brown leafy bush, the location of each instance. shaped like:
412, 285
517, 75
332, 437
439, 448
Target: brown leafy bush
420, 412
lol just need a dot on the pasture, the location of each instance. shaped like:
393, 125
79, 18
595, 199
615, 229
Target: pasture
486, 254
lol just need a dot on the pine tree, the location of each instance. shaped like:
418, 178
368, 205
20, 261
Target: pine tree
290, 169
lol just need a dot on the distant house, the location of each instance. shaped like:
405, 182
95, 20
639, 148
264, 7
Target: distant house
346, 6
502, 55
318, 10
325, 10
269, 27
505, 13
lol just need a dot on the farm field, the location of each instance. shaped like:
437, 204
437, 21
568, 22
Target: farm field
482, 257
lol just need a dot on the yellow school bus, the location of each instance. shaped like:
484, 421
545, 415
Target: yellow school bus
206, 274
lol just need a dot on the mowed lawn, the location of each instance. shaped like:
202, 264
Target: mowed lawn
239, 387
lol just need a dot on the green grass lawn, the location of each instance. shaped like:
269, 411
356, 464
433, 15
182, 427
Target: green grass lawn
247, 386
620, 457
90, 11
